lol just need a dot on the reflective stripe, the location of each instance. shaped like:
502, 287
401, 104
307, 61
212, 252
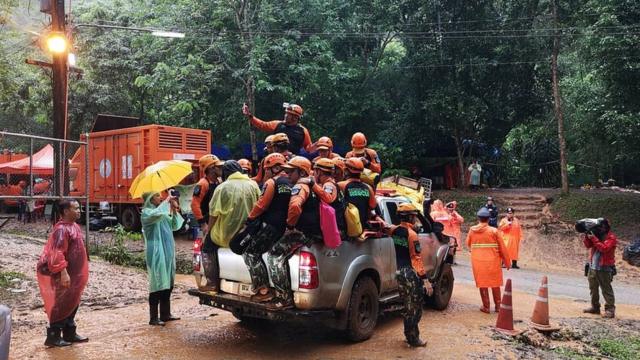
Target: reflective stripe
484, 245
541, 299
507, 293
506, 307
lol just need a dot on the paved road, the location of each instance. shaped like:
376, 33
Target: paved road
568, 286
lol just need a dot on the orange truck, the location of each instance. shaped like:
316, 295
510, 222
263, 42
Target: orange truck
119, 151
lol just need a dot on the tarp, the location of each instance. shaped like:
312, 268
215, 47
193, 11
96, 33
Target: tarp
42, 163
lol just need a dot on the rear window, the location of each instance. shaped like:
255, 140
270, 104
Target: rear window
392, 208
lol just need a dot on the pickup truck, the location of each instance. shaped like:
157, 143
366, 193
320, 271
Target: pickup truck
344, 288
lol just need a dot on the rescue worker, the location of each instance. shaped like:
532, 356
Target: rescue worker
160, 219
63, 273
452, 227
211, 169
602, 267
324, 146
271, 209
326, 188
411, 274
493, 209
474, 177
339, 169
488, 252
246, 166
368, 156
303, 228
358, 193
268, 149
298, 135
280, 144
511, 233
228, 211
438, 213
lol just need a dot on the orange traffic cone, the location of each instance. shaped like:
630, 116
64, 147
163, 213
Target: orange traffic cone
540, 317
504, 324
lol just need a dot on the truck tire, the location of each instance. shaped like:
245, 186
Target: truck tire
362, 315
443, 290
130, 218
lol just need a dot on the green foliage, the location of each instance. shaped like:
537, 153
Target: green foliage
623, 349
123, 235
620, 208
568, 353
7, 276
118, 254
468, 204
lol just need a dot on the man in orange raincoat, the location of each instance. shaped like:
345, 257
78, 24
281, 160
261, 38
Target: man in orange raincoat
487, 254
511, 233
438, 213
452, 226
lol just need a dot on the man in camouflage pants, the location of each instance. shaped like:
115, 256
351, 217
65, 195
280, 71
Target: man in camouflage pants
410, 272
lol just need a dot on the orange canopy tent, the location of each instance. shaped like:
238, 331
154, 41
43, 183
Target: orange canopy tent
42, 163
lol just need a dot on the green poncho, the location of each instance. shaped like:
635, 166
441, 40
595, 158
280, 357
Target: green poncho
231, 203
157, 228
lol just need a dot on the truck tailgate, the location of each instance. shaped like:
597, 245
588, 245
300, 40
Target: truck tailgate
232, 266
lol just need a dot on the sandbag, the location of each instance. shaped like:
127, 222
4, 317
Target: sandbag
631, 252
352, 218
329, 226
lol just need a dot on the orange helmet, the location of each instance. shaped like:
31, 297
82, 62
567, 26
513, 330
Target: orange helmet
301, 163
209, 160
293, 109
325, 165
354, 165
274, 159
406, 209
324, 143
339, 162
358, 140
280, 138
245, 164
268, 140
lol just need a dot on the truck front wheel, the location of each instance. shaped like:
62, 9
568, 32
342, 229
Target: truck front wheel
130, 218
443, 290
363, 310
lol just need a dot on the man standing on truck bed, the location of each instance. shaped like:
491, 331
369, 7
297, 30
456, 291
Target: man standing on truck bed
358, 193
303, 227
411, 272
211, 168
360, 150
298, 135
271, 210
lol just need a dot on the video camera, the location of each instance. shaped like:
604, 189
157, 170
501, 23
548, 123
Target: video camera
588, 225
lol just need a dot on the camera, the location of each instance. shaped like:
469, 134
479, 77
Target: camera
588, 225
174, 193
286, 105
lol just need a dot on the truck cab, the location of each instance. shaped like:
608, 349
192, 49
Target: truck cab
344, 288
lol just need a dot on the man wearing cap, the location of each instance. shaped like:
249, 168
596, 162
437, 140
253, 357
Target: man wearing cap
493, 210
298, 135
211, 169
511, 233
488, 252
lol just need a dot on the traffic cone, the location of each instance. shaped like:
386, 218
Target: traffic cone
540, 317
504, 324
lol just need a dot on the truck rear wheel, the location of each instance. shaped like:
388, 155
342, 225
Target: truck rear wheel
363, 310
130, 218
443, 290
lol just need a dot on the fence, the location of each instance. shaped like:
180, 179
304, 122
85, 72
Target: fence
42, 164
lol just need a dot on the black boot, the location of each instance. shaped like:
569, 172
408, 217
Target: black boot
153, 316
69, 334
165, 311
416, 342
54, 339
514, 264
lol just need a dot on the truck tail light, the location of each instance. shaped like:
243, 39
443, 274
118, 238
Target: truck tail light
197, 253
308, 271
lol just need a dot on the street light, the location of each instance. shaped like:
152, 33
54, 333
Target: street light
57, 43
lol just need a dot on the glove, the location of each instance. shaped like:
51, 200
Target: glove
245, 111
312, 181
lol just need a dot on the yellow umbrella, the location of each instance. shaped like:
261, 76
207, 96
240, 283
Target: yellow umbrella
159, 177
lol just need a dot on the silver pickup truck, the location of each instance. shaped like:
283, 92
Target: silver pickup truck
344, 288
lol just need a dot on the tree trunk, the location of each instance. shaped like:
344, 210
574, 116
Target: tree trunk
460, 155
243, 22
557, 102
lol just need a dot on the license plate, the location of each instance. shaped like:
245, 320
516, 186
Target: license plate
245, 290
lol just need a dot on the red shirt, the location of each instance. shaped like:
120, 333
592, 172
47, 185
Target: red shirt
607, 248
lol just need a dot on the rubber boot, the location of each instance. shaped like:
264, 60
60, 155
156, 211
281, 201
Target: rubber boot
416, 342
69, 334
514, 264
153, 316
486, 303
211, 273
609, 313
165, 311
592, 310
54, 339
496, 297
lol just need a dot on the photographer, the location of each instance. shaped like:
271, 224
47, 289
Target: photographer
602, 243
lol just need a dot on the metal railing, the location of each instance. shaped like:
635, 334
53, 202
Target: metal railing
59, 174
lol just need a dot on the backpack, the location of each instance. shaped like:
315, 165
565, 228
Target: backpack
352, 218
329, 226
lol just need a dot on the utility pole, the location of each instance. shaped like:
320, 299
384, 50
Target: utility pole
557, 99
